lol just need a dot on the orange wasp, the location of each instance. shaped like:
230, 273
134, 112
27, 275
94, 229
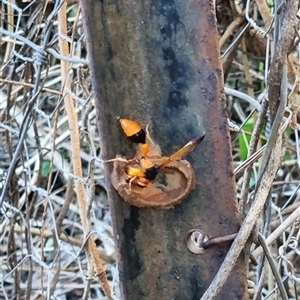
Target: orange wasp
145, 170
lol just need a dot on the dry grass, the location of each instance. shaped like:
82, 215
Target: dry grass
42, 237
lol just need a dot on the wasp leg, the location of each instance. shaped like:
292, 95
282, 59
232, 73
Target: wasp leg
130, 182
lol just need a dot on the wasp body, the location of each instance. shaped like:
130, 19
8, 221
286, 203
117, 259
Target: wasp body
144, 169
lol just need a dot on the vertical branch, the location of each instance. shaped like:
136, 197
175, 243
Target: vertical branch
76, 159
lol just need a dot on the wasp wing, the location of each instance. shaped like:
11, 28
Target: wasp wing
190, 146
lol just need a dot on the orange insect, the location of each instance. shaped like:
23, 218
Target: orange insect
135, 133
144, 170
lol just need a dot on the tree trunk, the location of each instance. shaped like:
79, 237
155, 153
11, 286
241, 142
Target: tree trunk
158, 62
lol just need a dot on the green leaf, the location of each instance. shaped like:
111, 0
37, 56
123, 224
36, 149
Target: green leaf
46, 164
244, 139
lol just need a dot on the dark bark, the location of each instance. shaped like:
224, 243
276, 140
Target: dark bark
158, 62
